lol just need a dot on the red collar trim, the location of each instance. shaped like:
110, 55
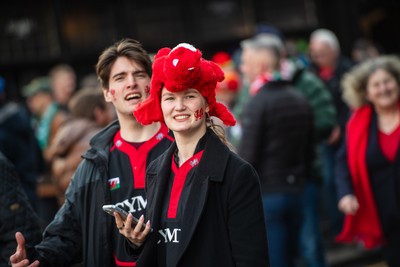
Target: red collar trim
179, 181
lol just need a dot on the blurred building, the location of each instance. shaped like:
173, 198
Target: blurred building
36, 35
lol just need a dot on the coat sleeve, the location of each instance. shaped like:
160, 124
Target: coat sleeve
252, 127
342, 172
246, 224
16, 214
321, 102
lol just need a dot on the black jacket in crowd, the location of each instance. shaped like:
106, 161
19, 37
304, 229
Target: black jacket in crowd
277, 137
16, 214
336, 90
81, 230
224, 221
19, 145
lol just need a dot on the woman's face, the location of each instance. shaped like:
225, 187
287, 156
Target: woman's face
382, 89
184, 112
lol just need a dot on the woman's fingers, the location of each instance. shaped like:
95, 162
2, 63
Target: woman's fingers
136, 232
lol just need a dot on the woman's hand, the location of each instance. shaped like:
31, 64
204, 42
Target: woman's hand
348, 204
137, 235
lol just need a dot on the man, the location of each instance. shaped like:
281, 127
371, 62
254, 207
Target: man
278, 141
18, 143
47, 118
63, 84
324, 115
330, 66
112, 172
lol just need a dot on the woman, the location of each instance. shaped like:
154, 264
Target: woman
368, 172
204, 202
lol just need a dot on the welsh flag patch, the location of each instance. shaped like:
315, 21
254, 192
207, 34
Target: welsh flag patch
114, 183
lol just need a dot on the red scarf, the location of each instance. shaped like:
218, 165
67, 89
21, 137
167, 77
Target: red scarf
364, 226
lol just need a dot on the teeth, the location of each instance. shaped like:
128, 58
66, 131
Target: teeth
133, 96
179, 117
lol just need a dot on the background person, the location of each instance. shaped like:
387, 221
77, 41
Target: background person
368, 162
47, 120
328, 63
16, 213
18, 143
278, 141
89, 114
63, 84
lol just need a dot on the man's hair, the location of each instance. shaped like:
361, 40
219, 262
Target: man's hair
128, 48
326, 36
61, 68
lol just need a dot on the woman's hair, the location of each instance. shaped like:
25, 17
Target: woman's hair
219, 131
128, 48
355, 82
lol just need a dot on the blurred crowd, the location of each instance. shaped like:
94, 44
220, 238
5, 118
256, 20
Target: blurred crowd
321, 129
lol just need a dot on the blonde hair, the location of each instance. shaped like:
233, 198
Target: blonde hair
354, 83
219, 131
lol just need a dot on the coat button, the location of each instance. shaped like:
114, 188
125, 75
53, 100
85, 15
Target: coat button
291, 179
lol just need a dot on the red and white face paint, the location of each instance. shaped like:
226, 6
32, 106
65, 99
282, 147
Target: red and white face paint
199, 114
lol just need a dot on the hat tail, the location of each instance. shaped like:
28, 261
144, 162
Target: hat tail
221, 111
149, 111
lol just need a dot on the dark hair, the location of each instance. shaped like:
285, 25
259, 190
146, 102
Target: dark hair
128, 48
85, 101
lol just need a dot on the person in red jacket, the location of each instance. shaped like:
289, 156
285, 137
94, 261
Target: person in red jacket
204, 201
368, 162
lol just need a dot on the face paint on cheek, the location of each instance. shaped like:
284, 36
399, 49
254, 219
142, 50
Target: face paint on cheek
199, 114
147, 90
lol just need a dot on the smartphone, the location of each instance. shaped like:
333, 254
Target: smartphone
110, 209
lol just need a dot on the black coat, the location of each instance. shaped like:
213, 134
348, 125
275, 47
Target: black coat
334, 87
223, 216
278, 137
16, 213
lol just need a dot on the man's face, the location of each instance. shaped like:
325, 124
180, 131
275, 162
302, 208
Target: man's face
256, 62
129, 85
63, 86
322, 54
250, 65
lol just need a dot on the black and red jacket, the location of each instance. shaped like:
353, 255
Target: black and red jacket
81, 230
223, 216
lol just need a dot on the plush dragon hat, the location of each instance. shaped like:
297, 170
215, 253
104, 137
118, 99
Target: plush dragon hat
179, 69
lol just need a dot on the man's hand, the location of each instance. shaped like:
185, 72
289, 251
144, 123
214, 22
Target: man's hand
18, 259
334, 137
